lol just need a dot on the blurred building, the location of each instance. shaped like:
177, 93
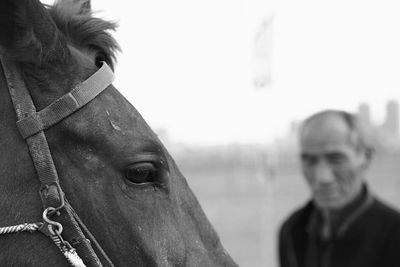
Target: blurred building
385, 135
364, 112
391, 124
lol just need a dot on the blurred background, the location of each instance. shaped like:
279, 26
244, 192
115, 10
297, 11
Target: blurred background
225, 83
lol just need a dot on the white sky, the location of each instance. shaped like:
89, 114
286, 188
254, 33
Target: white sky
188, 66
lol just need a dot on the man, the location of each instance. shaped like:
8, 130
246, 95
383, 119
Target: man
343, 225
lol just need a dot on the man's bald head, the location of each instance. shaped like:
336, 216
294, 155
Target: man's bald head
344, 122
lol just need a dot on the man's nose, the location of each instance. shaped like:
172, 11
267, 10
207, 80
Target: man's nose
323, 173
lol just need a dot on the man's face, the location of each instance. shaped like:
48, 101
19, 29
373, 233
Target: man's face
331, 164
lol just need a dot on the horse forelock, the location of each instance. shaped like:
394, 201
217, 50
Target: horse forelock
83, 30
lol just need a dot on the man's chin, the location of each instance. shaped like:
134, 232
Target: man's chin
329, 203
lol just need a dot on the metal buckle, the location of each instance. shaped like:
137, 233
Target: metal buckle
60, 193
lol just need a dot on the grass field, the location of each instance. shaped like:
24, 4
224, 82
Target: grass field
247, 202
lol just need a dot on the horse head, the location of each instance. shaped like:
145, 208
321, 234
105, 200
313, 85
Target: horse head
112, 168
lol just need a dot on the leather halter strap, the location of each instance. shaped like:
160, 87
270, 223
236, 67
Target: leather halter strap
67, 104
31, 125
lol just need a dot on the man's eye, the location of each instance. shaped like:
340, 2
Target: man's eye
308, 160
141, 173
336, 158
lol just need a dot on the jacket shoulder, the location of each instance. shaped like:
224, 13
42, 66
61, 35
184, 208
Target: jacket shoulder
385, 211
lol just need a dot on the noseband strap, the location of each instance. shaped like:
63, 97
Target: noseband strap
31, 125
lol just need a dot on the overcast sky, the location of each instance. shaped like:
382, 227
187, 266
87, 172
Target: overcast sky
189, 66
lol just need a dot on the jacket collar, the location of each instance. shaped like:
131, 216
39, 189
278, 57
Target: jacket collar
340, 220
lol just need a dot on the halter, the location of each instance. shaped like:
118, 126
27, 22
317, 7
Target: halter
67, 230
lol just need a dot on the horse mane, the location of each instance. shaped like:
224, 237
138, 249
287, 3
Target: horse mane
85, 31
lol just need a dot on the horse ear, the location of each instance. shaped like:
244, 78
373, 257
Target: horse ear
85, 5
27, 33
80, 7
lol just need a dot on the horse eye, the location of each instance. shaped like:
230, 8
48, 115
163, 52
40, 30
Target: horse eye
141, 173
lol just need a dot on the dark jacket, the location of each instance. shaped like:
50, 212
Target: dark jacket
370, 239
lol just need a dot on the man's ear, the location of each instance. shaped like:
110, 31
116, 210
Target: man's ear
28, 34
368, 155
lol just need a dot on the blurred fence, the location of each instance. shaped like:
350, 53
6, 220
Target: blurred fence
247, 192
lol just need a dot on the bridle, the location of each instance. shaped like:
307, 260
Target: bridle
60, 221
67, 230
